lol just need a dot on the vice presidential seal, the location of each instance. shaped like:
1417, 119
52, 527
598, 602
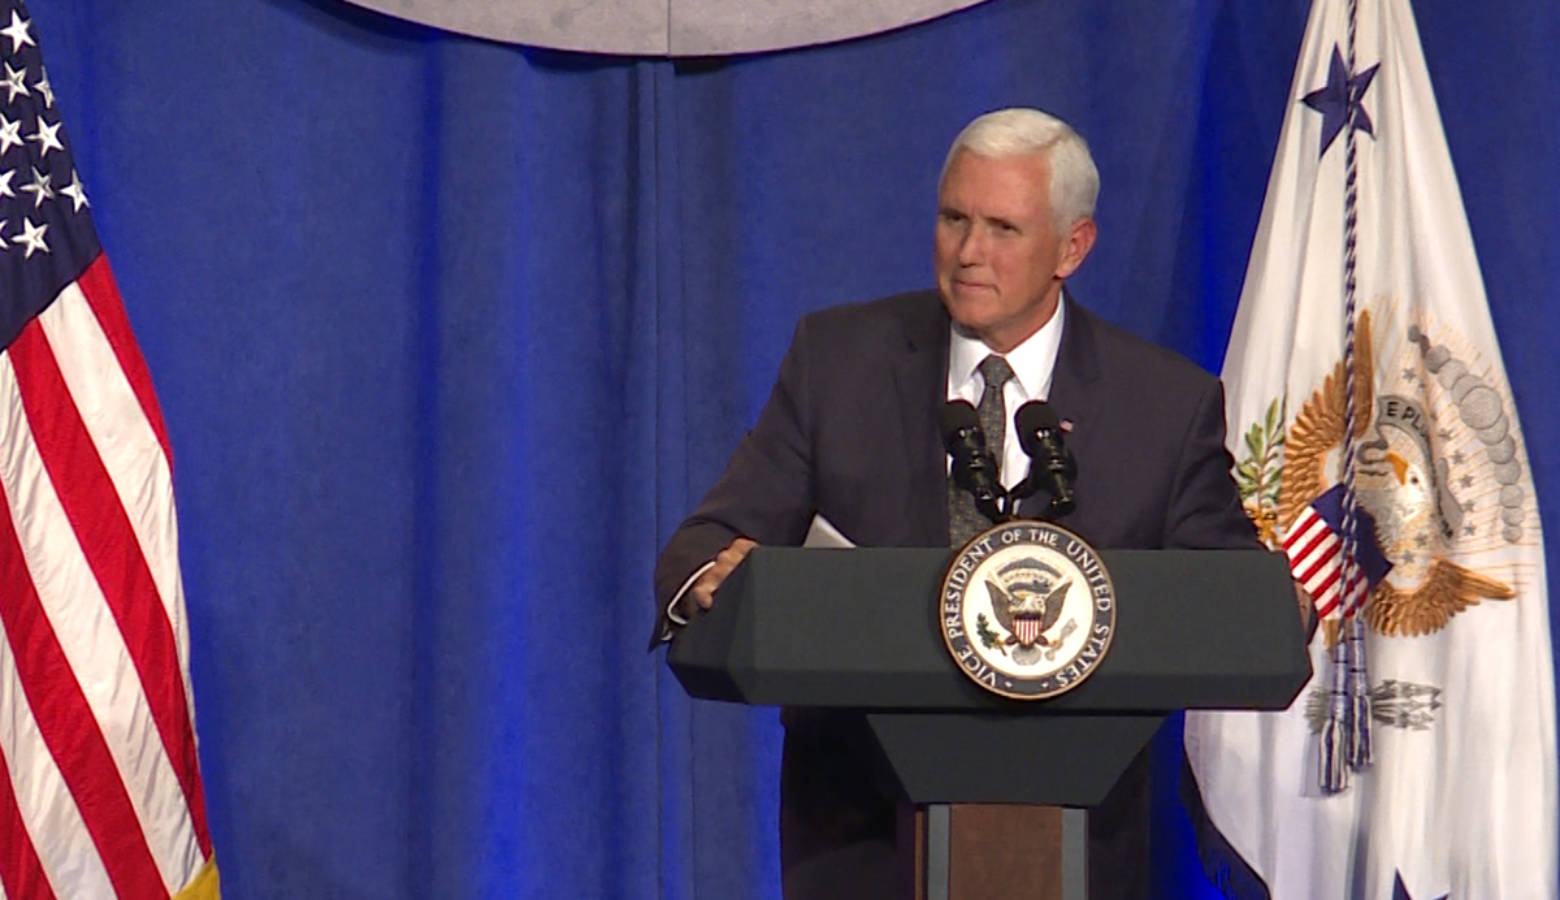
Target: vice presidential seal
1027, 610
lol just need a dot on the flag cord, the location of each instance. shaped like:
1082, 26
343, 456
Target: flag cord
1346, 735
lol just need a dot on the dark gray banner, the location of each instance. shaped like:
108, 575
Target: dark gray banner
667, 27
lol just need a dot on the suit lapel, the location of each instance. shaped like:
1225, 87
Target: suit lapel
1074, 389
921, 382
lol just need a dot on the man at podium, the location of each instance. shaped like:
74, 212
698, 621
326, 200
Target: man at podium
850, 435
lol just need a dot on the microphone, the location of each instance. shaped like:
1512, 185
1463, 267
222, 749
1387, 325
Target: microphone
1040, 434
974, 468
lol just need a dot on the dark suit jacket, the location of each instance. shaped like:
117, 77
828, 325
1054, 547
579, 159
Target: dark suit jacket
850, 433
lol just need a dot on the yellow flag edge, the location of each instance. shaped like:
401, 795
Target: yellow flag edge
204, 886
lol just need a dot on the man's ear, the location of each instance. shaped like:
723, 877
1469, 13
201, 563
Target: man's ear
1076, 245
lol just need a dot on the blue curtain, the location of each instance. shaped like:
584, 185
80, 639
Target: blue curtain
450, 334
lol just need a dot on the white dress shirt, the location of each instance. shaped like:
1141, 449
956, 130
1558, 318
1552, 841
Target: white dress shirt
1033, 363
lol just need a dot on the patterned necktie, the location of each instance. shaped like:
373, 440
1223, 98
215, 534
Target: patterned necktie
964, 520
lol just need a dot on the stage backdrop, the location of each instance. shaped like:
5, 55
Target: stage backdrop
450, 333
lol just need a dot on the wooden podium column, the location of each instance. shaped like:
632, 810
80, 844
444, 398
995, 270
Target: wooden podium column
994, 851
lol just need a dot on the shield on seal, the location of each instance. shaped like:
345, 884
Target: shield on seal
1027, 629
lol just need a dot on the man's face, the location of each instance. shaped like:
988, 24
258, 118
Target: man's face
999, 258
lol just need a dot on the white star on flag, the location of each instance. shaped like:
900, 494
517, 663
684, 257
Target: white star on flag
76, 191
47, 135
39, 188
15, 84
18, 33
10, 134
32, 236
44, 89
5, 183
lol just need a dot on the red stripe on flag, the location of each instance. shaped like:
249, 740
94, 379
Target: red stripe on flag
1321, 560
1322, 589
21, 874
1302, 526
1327, 582
68, 728
1326, 602
97, 283
1322, 534
109, 543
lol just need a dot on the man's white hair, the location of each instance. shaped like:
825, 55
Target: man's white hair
1075, 182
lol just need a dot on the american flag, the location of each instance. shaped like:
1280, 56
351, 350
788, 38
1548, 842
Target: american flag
1314, 545
100, 790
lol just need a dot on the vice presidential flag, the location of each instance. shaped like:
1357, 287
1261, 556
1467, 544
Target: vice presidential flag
1457, 798
100, 791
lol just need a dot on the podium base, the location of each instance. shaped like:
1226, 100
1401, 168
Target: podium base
990, 851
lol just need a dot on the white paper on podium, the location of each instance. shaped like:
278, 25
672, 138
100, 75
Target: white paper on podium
822, 533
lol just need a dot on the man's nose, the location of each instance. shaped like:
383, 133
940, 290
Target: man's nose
972, 248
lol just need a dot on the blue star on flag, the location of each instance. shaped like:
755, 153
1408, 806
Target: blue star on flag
1334, 99
1400, 891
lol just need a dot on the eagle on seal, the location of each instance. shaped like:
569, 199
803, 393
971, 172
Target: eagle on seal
1398, 489
1028, 611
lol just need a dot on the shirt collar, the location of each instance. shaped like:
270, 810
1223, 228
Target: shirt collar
1033, 361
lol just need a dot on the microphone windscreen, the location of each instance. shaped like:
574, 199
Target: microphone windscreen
1034, 416
956, 415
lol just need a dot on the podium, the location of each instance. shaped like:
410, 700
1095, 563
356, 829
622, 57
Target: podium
858, 629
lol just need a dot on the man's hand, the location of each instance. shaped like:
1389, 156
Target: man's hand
703, 590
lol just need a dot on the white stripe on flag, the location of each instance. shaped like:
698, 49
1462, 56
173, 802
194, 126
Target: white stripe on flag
96, 651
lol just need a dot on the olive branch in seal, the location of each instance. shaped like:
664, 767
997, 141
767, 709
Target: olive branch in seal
1258, 474
989, 638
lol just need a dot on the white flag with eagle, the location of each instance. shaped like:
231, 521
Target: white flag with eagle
1455, 794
